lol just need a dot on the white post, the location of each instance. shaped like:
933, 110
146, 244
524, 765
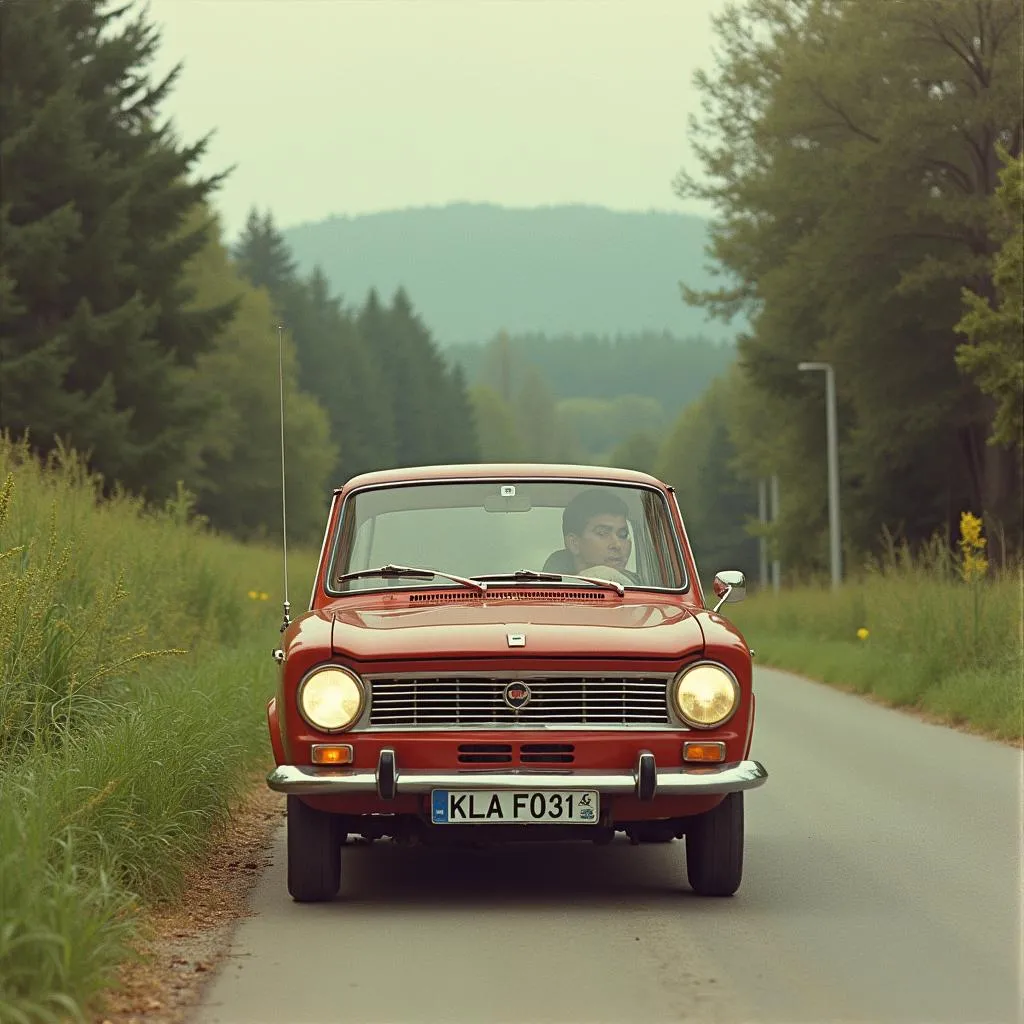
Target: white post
835, 544
776, 564
762, 543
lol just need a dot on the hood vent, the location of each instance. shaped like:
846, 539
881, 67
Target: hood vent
508, 595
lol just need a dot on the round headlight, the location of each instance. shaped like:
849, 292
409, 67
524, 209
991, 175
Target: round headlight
706, 695
331, 699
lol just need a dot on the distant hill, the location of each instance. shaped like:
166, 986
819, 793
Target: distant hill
472, 269
673, 371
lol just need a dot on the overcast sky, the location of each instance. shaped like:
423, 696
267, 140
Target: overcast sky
351, 106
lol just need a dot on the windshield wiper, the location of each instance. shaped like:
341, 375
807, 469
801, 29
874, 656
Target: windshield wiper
411, 571
553, 577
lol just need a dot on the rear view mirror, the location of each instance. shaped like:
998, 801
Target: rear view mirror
729, 585
516, 503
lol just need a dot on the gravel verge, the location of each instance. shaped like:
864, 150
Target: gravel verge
180, 944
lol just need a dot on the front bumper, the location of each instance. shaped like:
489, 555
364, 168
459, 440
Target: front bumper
644, 781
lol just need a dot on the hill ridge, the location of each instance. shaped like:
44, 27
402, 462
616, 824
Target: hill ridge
473, 268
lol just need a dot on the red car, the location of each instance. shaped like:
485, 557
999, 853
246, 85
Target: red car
512, 652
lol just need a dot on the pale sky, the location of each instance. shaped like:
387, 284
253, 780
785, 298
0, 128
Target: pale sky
353, 106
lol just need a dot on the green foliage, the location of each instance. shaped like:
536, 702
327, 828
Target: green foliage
239, 487
671, 371
920, 648
994, 353
390, 397
698, 458
115, 768
546, 432
96, 330
263, 257
71, 634
600, 424
638, 451
604, 391
850, 150
431, 411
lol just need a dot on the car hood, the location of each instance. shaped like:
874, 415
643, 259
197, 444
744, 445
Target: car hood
646, 627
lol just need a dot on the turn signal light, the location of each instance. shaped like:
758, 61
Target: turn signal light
706, 751
332, 753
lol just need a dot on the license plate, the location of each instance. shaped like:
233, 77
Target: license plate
463, 807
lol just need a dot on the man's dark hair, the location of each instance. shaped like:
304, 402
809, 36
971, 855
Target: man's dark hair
586, 505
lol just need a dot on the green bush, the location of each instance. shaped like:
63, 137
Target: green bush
134, 672
939, 630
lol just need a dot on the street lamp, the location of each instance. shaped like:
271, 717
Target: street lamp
833, 466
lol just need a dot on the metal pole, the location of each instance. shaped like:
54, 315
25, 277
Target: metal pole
762, 542
776, 564
833, 479
835, 543
286, 621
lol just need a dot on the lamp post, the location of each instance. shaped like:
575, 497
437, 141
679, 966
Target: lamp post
833, 466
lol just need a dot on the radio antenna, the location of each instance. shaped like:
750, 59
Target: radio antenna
284, 505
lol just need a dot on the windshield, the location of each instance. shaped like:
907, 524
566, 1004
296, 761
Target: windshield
487, 529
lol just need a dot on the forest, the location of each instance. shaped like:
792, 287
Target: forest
133, 331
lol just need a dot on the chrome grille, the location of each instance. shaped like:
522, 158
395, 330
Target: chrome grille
478, 702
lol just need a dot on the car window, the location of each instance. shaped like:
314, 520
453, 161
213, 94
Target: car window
474, 529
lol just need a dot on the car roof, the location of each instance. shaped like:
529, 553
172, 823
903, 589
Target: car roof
499, 470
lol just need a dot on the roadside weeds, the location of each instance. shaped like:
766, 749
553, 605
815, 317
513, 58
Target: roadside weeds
182, 941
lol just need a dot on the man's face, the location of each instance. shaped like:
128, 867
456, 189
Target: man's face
604, 541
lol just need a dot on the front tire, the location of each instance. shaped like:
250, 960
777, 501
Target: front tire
714, 849
314, 853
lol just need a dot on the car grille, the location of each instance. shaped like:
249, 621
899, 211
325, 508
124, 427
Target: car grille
480, 702
529, 753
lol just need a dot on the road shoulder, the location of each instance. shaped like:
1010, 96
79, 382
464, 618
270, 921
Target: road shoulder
180, 944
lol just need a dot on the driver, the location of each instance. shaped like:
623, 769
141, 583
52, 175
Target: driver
596, 532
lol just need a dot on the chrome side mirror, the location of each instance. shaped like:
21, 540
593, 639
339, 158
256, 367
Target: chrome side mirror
730, 585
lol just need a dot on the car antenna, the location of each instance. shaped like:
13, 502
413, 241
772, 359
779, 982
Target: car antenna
284, 507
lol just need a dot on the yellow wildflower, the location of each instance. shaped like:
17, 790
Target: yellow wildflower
862, 633
974, 564
264, 596
253, 595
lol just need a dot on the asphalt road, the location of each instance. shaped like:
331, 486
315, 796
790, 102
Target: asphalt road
882, 883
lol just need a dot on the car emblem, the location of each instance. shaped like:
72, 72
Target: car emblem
517, 639
517, 695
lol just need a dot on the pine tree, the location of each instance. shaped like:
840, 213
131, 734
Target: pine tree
97, 331
460, 435
337, 367
263, 256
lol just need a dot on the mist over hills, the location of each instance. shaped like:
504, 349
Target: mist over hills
472, 269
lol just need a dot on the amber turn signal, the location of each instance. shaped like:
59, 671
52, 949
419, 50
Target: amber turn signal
332, 753
706, 751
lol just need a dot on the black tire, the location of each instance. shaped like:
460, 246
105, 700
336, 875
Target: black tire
714, 849
314, 853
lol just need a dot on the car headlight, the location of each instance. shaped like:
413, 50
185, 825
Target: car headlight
705, 695
331, 698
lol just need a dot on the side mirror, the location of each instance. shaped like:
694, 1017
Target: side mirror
730, 585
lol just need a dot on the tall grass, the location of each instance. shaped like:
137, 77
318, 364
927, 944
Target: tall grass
937, 629
134, 669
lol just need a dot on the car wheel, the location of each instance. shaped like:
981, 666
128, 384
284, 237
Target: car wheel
314, 853
714, 849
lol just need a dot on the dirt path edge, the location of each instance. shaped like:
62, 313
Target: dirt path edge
180, 944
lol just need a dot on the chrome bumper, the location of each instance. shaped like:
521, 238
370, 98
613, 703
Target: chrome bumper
644, 781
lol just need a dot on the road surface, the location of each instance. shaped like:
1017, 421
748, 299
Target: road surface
881, 884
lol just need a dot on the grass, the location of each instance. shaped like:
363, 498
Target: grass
938, 631
134, 671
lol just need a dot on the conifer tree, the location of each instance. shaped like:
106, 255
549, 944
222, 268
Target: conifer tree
97, 334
